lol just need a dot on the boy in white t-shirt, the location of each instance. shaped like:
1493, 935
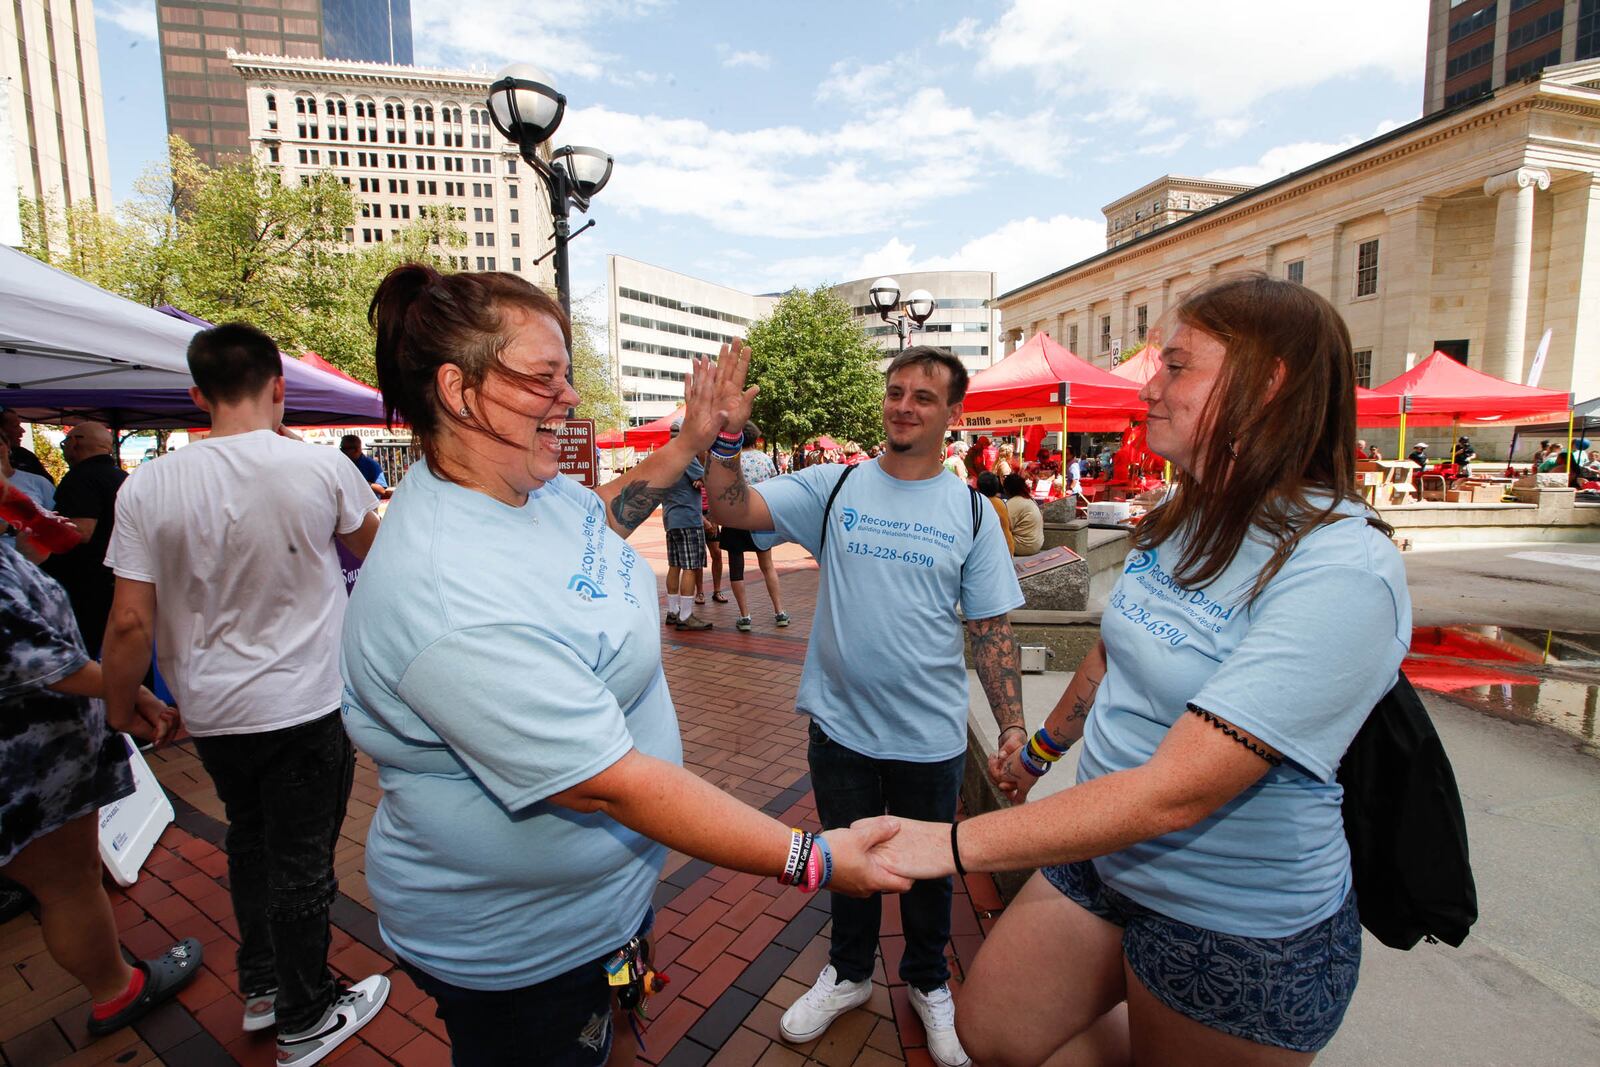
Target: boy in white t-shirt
224, 554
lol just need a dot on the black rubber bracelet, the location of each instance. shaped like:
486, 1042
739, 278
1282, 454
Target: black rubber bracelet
955, 849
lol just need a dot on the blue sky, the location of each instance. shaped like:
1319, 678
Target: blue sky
764, 145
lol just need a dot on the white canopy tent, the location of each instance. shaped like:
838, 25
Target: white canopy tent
69, 349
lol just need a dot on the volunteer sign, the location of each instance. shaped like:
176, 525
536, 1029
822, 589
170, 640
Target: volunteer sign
578, 460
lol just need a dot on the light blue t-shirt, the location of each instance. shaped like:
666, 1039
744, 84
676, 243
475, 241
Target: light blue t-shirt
884, 673
1300, 669
494, 656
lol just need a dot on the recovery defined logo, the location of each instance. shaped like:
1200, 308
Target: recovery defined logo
850, 518
585, 588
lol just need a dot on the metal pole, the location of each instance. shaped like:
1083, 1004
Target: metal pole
1570, 413
560, 210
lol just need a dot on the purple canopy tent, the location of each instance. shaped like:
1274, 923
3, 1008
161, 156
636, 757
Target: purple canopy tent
71, 350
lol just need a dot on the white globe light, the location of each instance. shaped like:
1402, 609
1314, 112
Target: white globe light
884, 294
538, 111
919, 305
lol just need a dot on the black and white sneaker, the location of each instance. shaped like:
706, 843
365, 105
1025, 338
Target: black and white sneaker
355, 1008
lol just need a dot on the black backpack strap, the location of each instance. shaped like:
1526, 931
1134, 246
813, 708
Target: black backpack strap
828, 509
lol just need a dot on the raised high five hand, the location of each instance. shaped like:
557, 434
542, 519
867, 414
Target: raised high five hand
734, 400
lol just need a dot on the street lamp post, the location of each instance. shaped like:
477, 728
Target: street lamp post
885, 298
526, 108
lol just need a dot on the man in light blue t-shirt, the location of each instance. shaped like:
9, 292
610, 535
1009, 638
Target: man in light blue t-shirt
900, 547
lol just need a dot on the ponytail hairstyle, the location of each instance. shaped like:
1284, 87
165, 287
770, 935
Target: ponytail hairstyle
1282, 425
425, 320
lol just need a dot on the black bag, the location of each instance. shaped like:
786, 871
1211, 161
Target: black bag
1407, 833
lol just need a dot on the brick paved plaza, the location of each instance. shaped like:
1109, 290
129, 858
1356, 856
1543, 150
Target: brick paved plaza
737, 948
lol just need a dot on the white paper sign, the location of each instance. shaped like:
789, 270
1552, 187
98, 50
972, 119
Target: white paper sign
130, 827
1538, 358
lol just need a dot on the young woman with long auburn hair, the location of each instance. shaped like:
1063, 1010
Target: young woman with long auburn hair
1195, 902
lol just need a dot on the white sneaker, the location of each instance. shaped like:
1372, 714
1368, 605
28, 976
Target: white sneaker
354, 1008
937, 1010
829, 998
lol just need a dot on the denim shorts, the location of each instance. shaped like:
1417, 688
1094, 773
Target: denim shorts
1289, 992
566, 1018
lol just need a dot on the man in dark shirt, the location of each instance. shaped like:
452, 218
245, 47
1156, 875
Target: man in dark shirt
87, 496
350, 445
11, 439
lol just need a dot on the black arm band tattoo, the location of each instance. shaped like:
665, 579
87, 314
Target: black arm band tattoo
1227, 728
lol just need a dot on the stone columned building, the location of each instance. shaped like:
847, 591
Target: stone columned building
1471, 231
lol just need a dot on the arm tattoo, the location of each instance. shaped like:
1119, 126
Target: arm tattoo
994, 653
1081, 703
633, 504
736, 492
1272, 758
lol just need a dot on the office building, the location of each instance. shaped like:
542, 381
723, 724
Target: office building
1466, 231
661, 320
204, 96
54, 112
1475, 46
407, 141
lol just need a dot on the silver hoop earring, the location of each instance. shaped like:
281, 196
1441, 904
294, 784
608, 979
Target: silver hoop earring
464, 412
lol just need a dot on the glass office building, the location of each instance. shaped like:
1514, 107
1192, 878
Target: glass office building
205, 97
378, 31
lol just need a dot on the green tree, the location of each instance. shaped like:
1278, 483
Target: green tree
591, 374
817, 371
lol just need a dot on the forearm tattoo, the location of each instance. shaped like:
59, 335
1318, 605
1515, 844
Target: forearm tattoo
1228, 728
1077, 713
736, 492
994, 653
634, 503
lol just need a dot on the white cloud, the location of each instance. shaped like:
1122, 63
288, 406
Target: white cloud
137, 19
853, 82
1165, 148
864, 176
1229, 129
758, 60
1220, 57
1018, 252
552, 34
1288, 158
963, 34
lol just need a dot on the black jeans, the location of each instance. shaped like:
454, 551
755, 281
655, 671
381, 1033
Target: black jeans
850, 786
285, 792
564, 1021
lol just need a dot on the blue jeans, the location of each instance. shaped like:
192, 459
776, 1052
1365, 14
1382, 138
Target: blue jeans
285, 792
850, 786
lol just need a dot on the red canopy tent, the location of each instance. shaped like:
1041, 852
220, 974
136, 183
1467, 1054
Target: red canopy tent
651, 434
1142, 367
610, 439
1026, 388
311, 359
1441, 391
